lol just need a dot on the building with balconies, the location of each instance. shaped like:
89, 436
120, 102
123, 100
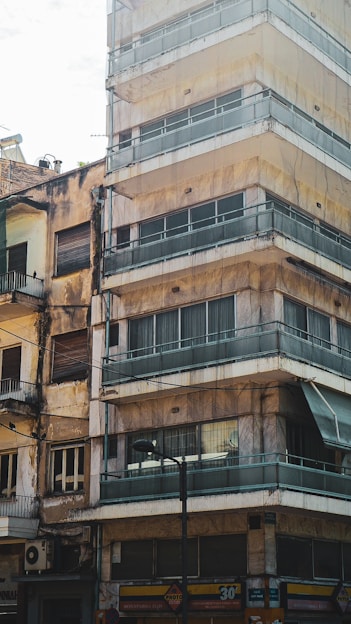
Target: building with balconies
222, 332
49, 267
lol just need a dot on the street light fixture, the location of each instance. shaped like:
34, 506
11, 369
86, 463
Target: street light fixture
146, 446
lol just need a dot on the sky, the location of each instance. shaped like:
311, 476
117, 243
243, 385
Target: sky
53, 59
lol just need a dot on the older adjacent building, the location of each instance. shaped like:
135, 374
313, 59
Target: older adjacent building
49, 263
222, 332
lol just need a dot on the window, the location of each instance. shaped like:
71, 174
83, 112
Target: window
73, 249
111, 446
11, 364
8, 474
307, 323
192, 218
67, 468
210, 321
135, 561
70, 356
17, 258
223, 555
216, 441
344, 338
294, 557
312, 559
326, 559
123, 237
195, 114
169, 557
125, 138
114, 335
220, 556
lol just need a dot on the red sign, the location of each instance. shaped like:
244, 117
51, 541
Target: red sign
174, 597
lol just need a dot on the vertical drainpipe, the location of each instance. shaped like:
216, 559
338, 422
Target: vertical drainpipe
107, 326
107, 343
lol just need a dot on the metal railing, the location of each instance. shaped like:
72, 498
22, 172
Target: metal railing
263, 106
192, 27
261, 220
19, 390
245, 343
240, 474
20, 282
16, 506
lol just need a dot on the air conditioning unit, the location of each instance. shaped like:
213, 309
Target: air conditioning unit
39, 555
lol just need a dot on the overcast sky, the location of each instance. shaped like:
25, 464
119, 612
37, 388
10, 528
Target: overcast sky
53, 58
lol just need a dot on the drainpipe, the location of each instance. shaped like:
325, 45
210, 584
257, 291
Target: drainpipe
107, 344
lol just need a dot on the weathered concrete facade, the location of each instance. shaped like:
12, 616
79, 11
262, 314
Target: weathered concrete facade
223, 325
49, 270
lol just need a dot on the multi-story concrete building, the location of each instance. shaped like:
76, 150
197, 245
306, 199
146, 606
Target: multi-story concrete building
223, 325
49, 267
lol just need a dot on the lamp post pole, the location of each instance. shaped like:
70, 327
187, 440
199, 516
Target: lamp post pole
146, 446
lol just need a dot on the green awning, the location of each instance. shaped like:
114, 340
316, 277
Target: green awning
332, 413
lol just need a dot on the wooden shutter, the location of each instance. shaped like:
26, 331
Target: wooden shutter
17, 258
70, 356
73, 249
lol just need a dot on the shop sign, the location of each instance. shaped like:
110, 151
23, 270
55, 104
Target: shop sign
341, 598
264, 616
316, 597
8, 593
215, 597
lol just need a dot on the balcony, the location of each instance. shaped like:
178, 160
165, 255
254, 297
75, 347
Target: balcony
264, 220
268, 471
222, 17
19, 294
18, 390
19, 517
265, 116
267, 340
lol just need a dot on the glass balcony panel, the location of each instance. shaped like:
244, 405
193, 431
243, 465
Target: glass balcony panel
249, 473
215, 17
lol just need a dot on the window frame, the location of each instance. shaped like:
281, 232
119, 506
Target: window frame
144, 342
73, 240
78, 478
79, 369
11, 479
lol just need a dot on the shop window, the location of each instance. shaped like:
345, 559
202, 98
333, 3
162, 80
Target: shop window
169, 558
134, 560
223, 555
70, 356
67, 468
326, 559
294, 557
73, 249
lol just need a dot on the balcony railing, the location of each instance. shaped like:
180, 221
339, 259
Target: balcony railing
219, 16
246, 343
261, 220
18, 390
19, 507
263, 106
20, 282
230, 475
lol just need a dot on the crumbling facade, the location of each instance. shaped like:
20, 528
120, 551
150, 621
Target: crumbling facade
49, 268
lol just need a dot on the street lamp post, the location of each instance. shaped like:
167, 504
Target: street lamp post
146, 446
